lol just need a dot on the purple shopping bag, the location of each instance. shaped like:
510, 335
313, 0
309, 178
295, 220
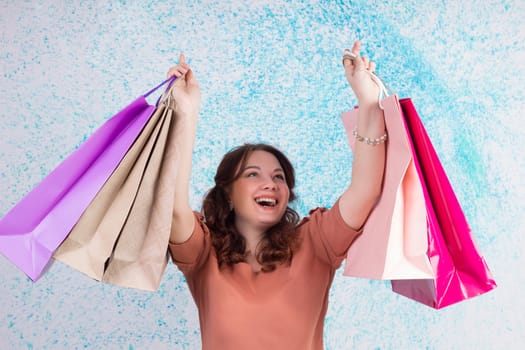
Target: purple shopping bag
33, 229
460, 270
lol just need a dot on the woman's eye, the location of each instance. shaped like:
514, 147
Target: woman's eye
251, 174
279, 177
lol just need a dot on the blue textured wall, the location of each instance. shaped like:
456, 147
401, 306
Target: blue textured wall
270, 71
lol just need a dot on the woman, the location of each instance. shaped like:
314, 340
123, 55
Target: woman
260, 278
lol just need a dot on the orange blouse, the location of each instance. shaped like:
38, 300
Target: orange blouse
283, 309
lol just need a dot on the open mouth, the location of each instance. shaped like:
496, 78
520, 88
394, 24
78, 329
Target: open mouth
266, 201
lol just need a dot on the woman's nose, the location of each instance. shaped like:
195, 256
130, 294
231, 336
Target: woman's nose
270, 185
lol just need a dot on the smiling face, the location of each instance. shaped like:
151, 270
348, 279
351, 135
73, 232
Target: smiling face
260, 193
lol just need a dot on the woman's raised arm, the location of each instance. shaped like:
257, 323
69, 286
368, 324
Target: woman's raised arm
187, 95
369, 159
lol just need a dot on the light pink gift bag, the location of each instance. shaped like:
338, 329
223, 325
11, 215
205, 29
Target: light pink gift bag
394, 242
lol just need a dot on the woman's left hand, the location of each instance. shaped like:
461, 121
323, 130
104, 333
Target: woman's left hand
357, 71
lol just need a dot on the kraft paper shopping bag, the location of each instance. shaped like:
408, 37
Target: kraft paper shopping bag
32, 230
123, 235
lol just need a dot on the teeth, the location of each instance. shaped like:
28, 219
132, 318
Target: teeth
266, 201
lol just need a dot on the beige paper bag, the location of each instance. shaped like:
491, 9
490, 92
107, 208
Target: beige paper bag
122, 237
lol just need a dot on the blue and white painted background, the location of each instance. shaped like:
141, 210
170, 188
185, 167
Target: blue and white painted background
270, 71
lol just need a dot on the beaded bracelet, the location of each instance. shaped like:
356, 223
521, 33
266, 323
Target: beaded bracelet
369, 141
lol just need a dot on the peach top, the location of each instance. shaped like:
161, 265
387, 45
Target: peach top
282, 309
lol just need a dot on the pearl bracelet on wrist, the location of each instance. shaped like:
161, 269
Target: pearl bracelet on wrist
370, 141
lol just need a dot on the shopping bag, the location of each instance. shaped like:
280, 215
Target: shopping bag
122, 237
460, 270
32, 230
393, 243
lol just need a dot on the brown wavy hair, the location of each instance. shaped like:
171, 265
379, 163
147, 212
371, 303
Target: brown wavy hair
279, 242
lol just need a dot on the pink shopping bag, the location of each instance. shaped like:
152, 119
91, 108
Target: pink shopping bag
460, 270
394, 241
32, 230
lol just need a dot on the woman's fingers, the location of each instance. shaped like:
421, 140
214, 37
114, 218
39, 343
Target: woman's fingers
356, 48
190, 78
359, 62
372, 67
179, 70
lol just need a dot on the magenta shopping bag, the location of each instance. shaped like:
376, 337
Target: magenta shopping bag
33, 229
460, 270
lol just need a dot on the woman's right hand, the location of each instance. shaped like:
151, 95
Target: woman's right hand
186, 90
187, 95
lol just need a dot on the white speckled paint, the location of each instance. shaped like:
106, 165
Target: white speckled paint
270, 71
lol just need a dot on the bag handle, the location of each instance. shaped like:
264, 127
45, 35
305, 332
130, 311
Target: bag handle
384, 90
171, 80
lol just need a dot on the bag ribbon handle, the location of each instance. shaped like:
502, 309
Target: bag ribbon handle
170, 80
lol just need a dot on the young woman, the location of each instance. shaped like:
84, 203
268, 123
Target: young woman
260, 277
